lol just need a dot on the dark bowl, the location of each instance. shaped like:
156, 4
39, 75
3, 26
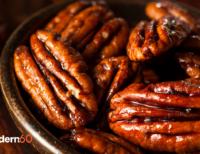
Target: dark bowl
44, 141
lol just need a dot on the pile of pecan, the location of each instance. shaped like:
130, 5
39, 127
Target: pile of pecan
94, 79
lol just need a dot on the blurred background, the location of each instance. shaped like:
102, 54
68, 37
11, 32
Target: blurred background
12, 13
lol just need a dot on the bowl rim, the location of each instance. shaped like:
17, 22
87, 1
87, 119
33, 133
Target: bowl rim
17, 108
42, 139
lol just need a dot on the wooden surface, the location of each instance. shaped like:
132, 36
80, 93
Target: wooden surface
13, 13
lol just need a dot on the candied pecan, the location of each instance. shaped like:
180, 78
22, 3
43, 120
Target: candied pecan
160, 117
34, 83
99, 142
85, 22
190, 62
152, 39
109, 76
84, 42
156, 10
64, 68
61, 20
109, 41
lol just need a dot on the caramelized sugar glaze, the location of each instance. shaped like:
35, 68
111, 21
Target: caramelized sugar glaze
99, 142
154, 38
79, 77
160, 117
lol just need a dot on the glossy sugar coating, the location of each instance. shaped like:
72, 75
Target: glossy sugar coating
149, 39
159, 117
157, 10
64, 69
99, 142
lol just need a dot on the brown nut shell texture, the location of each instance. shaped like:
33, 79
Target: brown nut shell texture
160, 117
149, 39
99, 142
67, 99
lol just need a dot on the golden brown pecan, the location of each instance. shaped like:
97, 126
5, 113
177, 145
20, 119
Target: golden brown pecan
156, 10
160, 117
152, 39
70, 102
61, 20
99, 142
34, 83
84, 23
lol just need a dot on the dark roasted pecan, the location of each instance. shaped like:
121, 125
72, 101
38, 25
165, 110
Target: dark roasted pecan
71, 103
152, 39
190, 62
99, 142
156, 10
160, 117
109, 76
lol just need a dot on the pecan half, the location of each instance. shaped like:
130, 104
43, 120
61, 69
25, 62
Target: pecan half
70, 102
84, 23
160, 117
61, 20
152, 39
99, 142
109, 76
156, 10
109, 41
34, 83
